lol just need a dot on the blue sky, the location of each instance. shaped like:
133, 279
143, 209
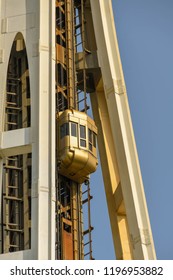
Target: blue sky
144, 29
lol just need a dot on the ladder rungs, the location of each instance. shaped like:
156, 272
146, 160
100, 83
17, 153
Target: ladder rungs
85, 192
12, 158
14, 246
13, 198
87, 231
11, 224
11, 84
81, 100
11, 103
88, 243
13, 167
12, 113
14, 230
87, 199
77, 34
78, 25
13, 108
78, 44
11, 123
14, 79
87, 108
79, 91
89, 253
12, 187
11, 93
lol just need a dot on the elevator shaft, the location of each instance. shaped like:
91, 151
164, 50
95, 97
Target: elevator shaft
72, 133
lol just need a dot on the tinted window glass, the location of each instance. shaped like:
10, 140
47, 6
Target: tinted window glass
73, 129
90, 135
83, 143
64, 130
94, 140
82, 132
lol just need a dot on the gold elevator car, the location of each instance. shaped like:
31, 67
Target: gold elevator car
76, 136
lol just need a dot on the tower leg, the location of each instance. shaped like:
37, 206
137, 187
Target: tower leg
1, 210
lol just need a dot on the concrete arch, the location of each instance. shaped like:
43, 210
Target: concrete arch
9, 41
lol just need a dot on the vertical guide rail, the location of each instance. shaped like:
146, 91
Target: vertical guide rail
70, 54
61, 59
81, 48
87, 232
75, 220
57, 222
84, 55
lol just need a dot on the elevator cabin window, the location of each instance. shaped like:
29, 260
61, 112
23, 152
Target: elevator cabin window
94, 140
73, 129
82, 136
90, 139
64, 130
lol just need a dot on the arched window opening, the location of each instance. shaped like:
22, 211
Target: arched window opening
18, 113
15, 225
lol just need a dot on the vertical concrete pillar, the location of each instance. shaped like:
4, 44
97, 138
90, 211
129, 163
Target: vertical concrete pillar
44, 150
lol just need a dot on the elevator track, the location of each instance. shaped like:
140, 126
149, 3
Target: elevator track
73, 236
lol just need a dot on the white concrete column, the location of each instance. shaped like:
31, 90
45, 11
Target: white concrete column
44, 147
52, 134
122, 130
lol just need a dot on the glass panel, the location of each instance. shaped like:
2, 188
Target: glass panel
83, 143
27, 87
82, 132
74, 129
94, 140
64, 130
90, 136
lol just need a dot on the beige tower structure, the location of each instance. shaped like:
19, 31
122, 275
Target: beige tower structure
53, 56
